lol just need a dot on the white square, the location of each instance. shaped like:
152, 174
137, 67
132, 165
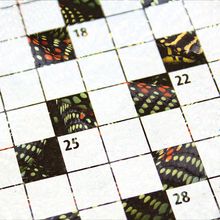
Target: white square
10, 24
141, 61
89, 152
136, 176
40, 16
94, 186
5, 140
164, 17
9, 169
112, 211
90, 37
15, 56
130, 28
215, 68
210, 41
203, 13
7, 3
26, 92
201, 204
60, 80
53, 198
166, 129
1, 106
111, 7
130, 141
14, 203
200, 81
209, 153
215, 183
30, 124
101, 70
112, 104
203, 119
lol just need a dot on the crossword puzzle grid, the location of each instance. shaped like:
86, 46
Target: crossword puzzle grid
109, 109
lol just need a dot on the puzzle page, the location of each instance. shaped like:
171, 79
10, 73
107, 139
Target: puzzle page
109, 109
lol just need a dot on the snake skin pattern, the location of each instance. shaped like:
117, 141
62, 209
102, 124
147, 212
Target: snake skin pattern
51, 47
147, 3
77, 11
40, 159
67, 216
180, 165
72, 114
181, 51
153, 206
153, 94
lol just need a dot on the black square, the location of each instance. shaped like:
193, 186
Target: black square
67, 216
147, 3
71, 114
77, 11
153, 94
40, 159
181, 51
50, 47
150, 206
180, 165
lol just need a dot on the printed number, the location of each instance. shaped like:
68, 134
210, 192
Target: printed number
82, 32
183, 198
181, 79
71, 146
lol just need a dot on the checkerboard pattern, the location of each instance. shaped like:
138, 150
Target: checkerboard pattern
109, 109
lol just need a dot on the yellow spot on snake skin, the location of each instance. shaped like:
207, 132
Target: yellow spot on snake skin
168, 171
185, 176
145, 105
160, 103
33, 148
22, 155
181, 158
162, 170
33, 174
148, 100
175, 158
179, 174
28, 147
141, 111
129, 209
198, 163
147, 199
152, 202
141, 196
134, 211
157, 204
193, 160
188, 159
174, 172
156, 108
27, 157
189, 180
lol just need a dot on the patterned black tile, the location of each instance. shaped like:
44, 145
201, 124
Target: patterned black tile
180, 165
153, 94
51, 47
181, 51
153, 206
71, 114
40, 159
77, 11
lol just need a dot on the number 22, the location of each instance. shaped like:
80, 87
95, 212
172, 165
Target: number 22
181, 80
